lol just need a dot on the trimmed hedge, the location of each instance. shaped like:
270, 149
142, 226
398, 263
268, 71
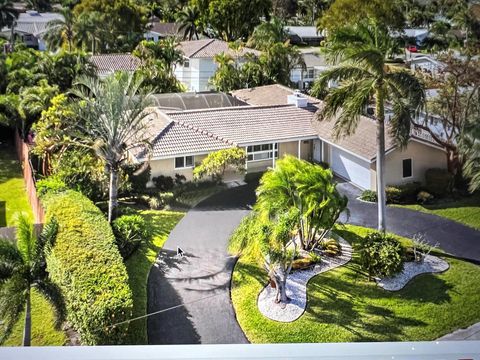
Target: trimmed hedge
88, 267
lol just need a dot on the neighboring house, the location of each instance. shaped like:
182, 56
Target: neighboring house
417, 35
354, 158
108, 64
31, 26
160, 30
304, 35
199, 65
426, 64
315, 64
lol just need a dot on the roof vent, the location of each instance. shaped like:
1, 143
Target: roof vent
297, 99
32, 12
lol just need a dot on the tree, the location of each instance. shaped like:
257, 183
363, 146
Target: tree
113, 114
23, 268
364, 76
189, 18
344, 13
454, 108
61, 31
39, 5
268, 33
216, 163
7, 15
470, 148
310, 191
227, 76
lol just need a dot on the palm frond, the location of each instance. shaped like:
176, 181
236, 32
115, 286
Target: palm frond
12, 302
10, 260
25, 237
400, 123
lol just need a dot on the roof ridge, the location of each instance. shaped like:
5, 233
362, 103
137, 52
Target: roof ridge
203, 132
202, 47
227, 108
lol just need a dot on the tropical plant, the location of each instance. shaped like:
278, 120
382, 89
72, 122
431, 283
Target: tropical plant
268, 33
470, 147
130, 232
113, 114
23, 268
364, 76
217, 162
61, 31
7, 15
189, 19
307, 188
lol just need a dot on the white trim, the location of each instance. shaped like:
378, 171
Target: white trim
284, 140
411, 168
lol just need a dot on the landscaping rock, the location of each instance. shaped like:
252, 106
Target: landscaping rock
431, 264
297, 288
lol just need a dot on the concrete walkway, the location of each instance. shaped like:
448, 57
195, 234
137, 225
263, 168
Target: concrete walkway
470, 333
454, 238
196, 287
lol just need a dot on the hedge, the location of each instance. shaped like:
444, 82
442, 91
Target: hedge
88, 268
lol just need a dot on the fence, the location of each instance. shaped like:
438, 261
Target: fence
23, 155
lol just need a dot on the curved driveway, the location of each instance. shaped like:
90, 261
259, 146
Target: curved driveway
200, 281
196, 287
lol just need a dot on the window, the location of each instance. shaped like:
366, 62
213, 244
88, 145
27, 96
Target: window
407, 168
262, 152
186, 63
310, 73
183, 162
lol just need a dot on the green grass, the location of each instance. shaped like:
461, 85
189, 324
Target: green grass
344, 307
138, 265
13, 198
465, 211
43, 330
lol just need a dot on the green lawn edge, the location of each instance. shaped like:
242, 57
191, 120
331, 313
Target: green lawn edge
344, 307
160, 224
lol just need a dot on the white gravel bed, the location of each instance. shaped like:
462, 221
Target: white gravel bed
297, 288
431, 264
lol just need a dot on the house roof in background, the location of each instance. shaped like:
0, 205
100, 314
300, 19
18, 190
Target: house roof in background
313, 60
269, 95
35, 23
195, 101
304, 31
165, 29
208, 48
108, 63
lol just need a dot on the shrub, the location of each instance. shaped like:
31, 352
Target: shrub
253, 177
424, 197
49, 185
380, 255
130, 231
180, 179
393, 194
438, 181
316, 258
86, 264
216, 163
324, 165
166, 198
154, 202
410, 190
369, 195
331, 247
163, 183
137, 177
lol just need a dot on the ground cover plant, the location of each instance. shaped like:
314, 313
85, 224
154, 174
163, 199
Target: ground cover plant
344, 306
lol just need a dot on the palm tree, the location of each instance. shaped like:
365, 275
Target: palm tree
365, 77
189, 18
60, 31
23, 267
470, 147
114, 114
268, 33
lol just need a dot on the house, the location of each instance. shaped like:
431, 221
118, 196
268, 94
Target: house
270, 122
159, 30
304, 35
199, 66
354, 158
315, 64
31, 26
107, 64
426, 64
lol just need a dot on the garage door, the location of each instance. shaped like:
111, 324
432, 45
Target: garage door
350, 167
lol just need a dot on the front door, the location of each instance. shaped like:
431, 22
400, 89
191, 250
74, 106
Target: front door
317, 151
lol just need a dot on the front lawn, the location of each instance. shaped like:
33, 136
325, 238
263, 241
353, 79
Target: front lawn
13, 198
344, 307
465, 211
138, 266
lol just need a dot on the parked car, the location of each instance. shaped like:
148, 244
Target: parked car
412, 48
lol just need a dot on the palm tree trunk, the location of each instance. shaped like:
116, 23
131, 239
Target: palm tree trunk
27, 328
380, 115
113, 192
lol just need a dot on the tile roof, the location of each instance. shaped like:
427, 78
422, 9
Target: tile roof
251, 124
208, 48
35, 23
107, 63
269, 95
165, 29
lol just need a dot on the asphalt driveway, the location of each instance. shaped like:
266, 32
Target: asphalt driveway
454, 238
196, 287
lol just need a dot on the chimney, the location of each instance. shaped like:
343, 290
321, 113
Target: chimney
297, 99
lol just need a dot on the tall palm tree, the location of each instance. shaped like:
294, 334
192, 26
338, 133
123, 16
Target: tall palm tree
61, 31
189, 17
365, 77
23, 267
268, 33
113, 114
